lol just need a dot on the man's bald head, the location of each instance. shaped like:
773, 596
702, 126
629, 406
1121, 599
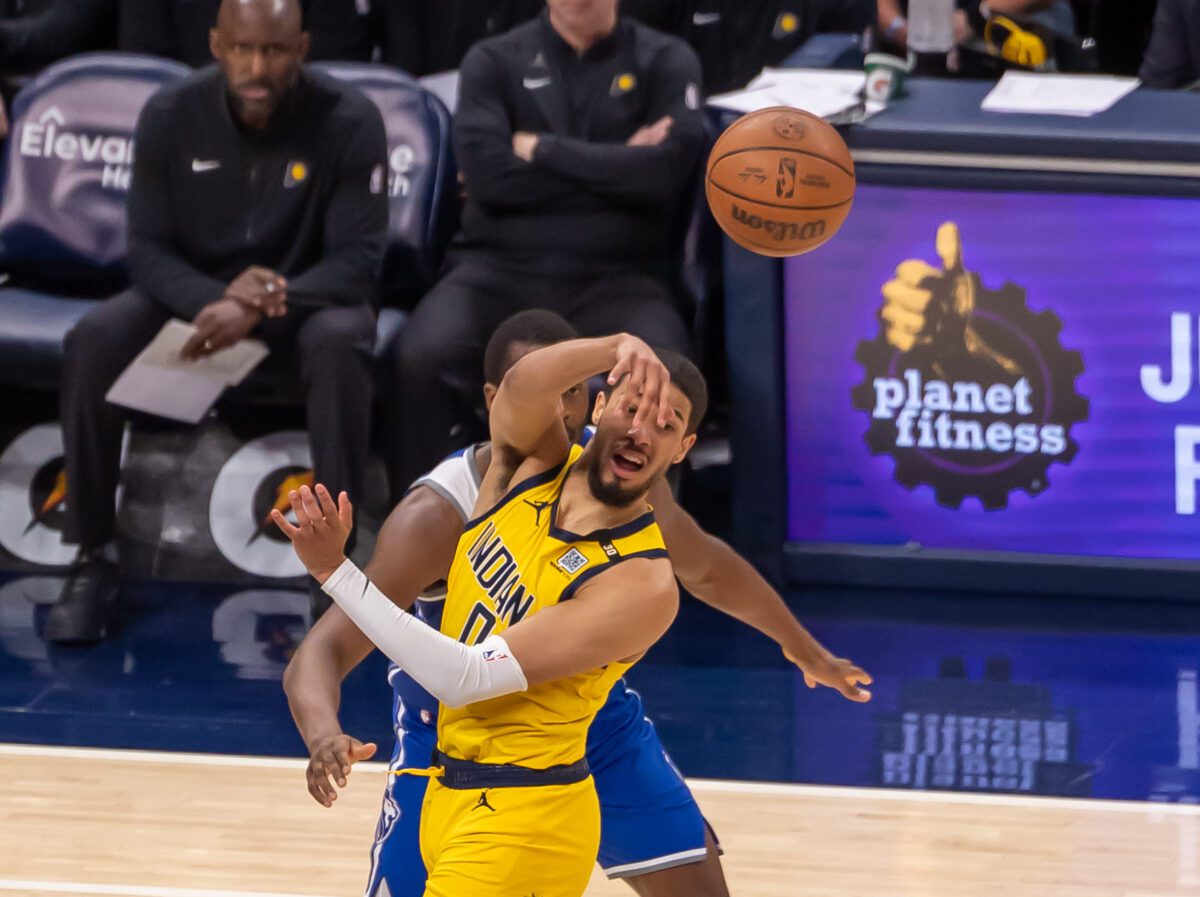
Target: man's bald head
260, 46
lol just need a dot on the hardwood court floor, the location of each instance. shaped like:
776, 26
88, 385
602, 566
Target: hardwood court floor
128, 824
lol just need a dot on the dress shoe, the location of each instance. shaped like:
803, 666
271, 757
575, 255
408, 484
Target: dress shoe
84, 610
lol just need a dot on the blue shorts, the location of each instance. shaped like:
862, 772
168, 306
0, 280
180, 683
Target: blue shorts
649, 820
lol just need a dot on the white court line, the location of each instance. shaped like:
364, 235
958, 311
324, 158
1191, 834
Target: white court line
699, 785
76, 753
974, 798
77, 887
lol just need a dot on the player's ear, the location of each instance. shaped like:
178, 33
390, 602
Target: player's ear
489, 395
598, 408
684, 448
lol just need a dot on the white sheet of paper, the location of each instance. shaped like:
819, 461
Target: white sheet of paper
159, 382
1078, 95
823, 92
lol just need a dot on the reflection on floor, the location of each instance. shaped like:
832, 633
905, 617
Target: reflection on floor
998, 694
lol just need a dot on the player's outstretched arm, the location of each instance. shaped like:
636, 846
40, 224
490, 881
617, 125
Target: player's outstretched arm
414, 548
622, 613
721, 578
453, 673
613, 617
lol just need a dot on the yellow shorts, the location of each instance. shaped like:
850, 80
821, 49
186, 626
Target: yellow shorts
510, 842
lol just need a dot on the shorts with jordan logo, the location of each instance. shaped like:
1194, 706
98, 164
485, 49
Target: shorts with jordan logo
649, 819
484, 841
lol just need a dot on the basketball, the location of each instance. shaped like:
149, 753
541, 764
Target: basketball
780, 181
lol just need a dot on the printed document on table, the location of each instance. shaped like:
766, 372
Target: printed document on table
1078, 95
822, 92
159, 382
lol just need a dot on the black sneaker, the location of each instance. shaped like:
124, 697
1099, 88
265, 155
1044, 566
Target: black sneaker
85, 605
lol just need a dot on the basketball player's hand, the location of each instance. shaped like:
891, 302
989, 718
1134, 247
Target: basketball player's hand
260, 289
838, 673
524, 143
330, 760
649, 381
321, 530
219, 325
652, 134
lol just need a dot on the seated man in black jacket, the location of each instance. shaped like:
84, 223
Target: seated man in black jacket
256, 207
578, 136
1173, 57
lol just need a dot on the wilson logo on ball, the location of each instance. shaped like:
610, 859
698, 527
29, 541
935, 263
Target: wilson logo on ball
780, 230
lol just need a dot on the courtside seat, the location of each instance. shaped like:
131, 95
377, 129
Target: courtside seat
421, 177
32, 327
65, 177
65, 174
67, 167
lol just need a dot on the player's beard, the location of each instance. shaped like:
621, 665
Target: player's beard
613, 494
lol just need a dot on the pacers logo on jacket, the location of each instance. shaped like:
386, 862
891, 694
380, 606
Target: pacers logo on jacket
296, 174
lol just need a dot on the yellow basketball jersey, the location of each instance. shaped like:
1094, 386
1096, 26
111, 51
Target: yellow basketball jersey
510, 563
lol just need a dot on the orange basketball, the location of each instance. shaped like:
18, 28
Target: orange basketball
780, 181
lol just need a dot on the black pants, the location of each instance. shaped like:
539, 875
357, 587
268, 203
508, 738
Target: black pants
438, 362
329, 350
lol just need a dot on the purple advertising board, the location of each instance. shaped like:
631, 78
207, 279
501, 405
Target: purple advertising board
998, 371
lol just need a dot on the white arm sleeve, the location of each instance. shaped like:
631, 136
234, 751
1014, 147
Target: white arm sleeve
452, 672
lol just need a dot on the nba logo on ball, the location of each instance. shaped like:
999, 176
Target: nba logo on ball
780, 181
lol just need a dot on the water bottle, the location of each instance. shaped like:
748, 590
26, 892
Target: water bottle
930, 35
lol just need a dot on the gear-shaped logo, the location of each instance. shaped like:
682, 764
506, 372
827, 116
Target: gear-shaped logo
967, 389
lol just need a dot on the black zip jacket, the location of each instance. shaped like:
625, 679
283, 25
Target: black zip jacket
304, 198
587, 204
